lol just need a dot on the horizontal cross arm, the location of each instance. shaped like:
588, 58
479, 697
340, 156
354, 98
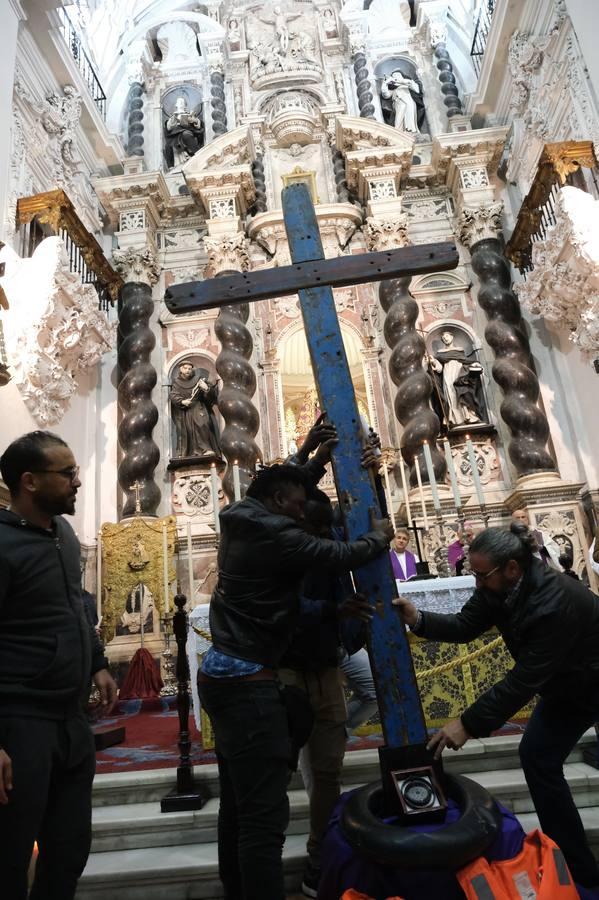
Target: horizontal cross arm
341, 271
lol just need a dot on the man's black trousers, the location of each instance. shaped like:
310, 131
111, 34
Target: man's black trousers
53, 769
254, 751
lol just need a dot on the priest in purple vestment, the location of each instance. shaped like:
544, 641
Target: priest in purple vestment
403, 560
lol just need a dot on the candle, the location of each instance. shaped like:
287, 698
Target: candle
431, 476
452, 475
214, 481
99, 576
388, 493
405, 491
165, 568
422, 500
236, 482
190, 565
475, 474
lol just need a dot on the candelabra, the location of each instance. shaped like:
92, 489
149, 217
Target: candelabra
169, 688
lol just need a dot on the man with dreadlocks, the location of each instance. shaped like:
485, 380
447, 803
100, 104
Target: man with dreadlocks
263, 556
550, 624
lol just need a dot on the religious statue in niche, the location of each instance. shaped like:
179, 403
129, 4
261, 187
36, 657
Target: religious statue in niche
329, 23
458, 397
280, 20
398, 98
193, 398
282, 50
234, 34
182, 134
138, 612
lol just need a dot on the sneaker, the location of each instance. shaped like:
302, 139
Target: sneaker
310, 880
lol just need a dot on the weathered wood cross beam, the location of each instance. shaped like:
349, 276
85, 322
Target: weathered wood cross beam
313, 276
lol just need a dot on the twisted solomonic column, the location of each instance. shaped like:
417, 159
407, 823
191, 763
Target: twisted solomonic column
138, 378
217, 102
449, 87
226, 255
513, 369
414, 387
135, 120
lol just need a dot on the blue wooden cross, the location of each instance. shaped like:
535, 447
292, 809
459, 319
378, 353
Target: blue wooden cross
311, 276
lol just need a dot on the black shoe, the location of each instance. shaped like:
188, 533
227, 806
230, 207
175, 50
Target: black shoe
310, 880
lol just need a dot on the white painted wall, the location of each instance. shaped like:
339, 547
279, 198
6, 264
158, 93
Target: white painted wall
585, 19
10, 15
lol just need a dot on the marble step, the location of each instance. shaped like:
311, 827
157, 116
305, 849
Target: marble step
360, 767
187, 872
132, 826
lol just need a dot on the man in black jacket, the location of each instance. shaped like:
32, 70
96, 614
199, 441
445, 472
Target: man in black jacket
263, 555
550, 625
48, 654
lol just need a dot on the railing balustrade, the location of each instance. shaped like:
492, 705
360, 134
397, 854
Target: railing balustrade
481, 33
73, 42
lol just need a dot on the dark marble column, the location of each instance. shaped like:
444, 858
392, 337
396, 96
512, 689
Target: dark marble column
235, 399
513, 369
363, 86
449, 88
217, 102
414, 386
138, 413
343, 195
259, 185
135, 120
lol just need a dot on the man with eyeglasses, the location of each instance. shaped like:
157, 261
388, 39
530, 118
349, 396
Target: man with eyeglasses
550, 625
49, 653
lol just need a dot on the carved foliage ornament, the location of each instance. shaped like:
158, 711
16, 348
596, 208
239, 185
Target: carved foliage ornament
137, 265
385, 234
229, 253
479, 223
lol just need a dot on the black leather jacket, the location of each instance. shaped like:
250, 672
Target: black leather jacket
551, 628
262, 559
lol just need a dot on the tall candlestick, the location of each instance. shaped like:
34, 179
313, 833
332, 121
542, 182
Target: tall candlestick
405, 490
214, 481
452, 475
99, 576
236, 482
422, 500
165, 568
475, 475
388, 493
190, 564
431, 476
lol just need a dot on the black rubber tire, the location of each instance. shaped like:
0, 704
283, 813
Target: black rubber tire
447, 848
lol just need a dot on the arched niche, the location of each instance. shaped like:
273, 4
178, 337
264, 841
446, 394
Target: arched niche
300, 403
407, 67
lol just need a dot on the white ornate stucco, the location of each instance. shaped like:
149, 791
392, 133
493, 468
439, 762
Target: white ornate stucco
563, 287
54, 330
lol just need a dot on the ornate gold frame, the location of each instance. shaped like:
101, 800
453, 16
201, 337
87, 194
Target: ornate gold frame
299, 175
556, 163
54, 208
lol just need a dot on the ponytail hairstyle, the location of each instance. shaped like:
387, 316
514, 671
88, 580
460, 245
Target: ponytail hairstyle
500, 545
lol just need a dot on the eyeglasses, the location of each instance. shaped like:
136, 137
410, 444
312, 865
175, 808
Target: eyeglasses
71, 472
482, 576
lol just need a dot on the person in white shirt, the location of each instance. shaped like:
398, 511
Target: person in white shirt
548, 551
594, 565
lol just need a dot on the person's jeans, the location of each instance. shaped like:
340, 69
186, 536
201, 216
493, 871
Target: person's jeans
321, 759
253, 751
53, 769
551, 734
362, 705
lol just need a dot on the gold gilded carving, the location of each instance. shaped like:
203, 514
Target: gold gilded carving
557, 162
132, 553
54, 208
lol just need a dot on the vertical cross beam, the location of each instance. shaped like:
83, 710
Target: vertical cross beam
400, 709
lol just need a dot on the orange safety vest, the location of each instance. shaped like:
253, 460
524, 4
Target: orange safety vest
538, 872
356, 895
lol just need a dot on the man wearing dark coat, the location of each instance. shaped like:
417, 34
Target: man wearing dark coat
193, 397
